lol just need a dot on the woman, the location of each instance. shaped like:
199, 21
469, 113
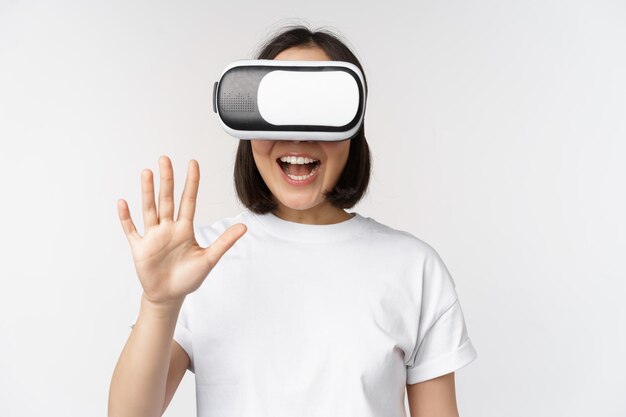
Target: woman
311, 310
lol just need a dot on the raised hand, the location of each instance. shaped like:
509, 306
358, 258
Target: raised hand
169, 262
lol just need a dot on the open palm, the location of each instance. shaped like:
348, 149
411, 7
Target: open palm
169, 262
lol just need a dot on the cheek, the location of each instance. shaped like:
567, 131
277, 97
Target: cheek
261, 147
338, 152
261, 150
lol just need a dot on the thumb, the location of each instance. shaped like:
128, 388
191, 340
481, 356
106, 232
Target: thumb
226, 240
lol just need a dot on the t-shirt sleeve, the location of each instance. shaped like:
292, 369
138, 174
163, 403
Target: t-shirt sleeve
442, 343
182, 334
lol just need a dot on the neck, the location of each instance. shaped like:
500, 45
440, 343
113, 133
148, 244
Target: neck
320, 214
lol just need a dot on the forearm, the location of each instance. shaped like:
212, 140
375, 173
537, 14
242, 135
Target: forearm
139, 379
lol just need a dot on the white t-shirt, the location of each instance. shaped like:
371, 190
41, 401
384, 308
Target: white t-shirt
319, 320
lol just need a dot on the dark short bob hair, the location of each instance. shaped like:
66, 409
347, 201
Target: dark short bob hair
352, 183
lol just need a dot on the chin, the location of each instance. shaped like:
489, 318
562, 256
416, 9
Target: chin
296, 204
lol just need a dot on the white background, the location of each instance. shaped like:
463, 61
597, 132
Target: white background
497, 130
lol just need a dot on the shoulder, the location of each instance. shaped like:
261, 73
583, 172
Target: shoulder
417, 261
401, 240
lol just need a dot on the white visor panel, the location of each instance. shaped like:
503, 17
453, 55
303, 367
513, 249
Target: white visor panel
329, 98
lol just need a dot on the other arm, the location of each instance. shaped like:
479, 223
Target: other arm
433, 398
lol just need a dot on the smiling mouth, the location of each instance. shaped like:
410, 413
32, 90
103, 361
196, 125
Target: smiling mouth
298, 169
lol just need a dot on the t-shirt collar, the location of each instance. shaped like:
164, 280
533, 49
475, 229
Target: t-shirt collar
301, 232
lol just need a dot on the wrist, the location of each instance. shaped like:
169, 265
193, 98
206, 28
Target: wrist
161, 309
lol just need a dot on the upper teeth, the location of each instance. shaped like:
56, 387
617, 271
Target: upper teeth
297, 160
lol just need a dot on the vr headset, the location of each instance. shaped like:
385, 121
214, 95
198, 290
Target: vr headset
290, 100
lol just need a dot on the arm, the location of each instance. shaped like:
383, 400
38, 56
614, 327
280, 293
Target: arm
138, 384
433, 398
170, 264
